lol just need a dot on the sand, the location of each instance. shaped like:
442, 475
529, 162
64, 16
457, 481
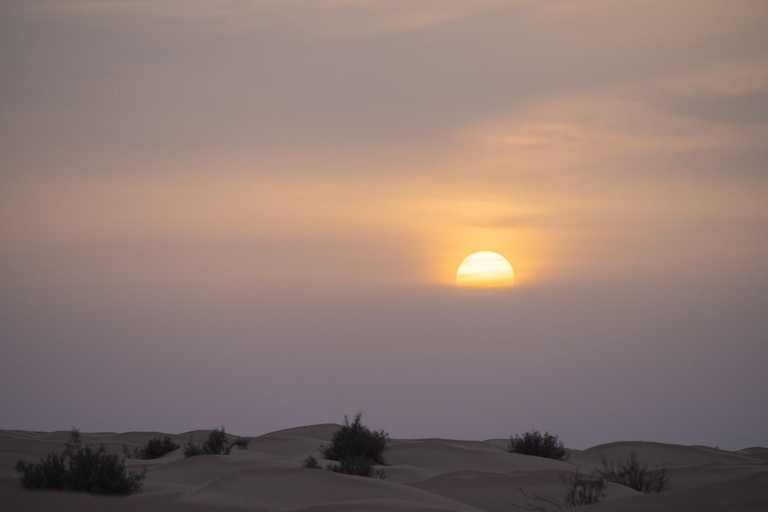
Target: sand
422, 475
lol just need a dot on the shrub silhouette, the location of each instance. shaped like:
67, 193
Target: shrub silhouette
356, 466
216, 444
80, 468
50, 473
192, 449
311, 462
533, 443
579, 490
584, 490
631, 474
354, 440
154, 449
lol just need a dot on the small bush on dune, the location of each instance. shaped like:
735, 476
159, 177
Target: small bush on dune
584, 490
579, 490
80, 468
50, 473
216, 444
192, 449
154, 449
533, 443
311, 462
354, 440
356, 466
634, 475
241, 443
355, 448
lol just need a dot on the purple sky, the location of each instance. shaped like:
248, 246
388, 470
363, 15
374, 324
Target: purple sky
251, 214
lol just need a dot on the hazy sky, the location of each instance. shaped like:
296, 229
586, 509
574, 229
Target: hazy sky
250, 213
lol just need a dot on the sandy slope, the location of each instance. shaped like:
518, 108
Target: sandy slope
498, 491
658, 453
443, 455
690, 477
746, 493
323, 432
423, 475
278, 489
755, 452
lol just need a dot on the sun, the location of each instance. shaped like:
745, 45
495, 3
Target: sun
485, 269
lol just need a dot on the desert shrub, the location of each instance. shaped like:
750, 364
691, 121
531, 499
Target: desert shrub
192, 449
634, 475
311, 462
154, 449
533, 443
355, 440
584, 490
216, 444
80, 468
356, 466
241, 443
50, 473
579, 490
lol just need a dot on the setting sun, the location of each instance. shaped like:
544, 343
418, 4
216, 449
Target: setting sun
485, 269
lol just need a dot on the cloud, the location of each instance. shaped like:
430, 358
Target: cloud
586, 129
445, 119
156, 82
323, 19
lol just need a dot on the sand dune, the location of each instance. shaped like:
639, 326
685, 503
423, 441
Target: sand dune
752, 450
691, 477
202, 469
747, 493
755, 452
659, 453
445, 455
278, 489
323, 432
424, 475
292, 447
406, 474
16, 445
501, 444
498, 491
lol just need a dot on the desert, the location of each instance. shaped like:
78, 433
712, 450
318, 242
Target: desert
420, 475
526, 240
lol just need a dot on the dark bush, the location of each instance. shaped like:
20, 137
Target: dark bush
311, 462
356, 466
584, 490
192, 449
50, 473
533, 443
154, 449
635, 476
80, 468
354, 440
579, 490
216, 444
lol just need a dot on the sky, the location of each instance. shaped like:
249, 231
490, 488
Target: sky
250, 213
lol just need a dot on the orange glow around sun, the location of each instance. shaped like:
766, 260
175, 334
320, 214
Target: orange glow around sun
485, 269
